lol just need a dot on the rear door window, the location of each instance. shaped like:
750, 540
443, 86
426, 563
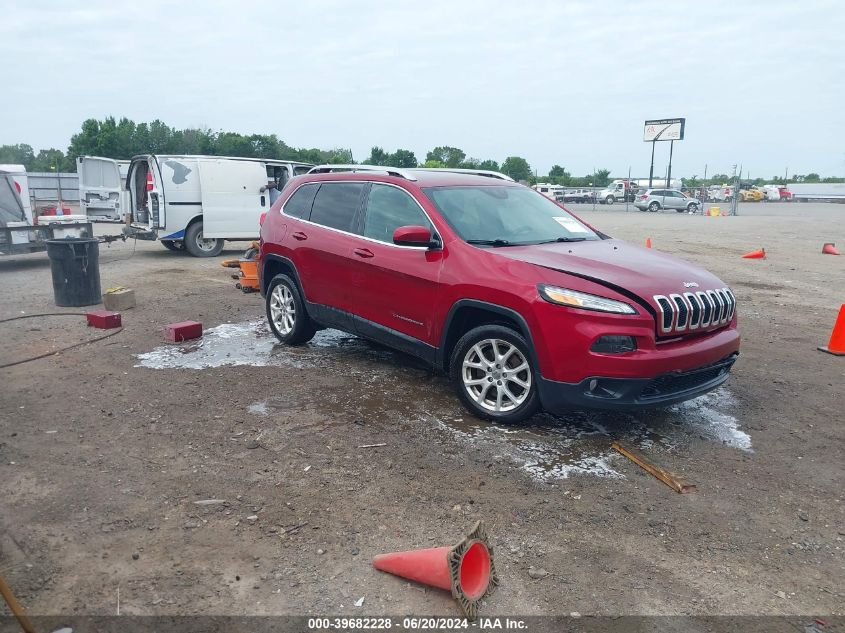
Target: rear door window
336, 205
299, 204
388, 208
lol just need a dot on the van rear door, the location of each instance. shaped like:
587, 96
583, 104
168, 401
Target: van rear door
232, 197
99, 187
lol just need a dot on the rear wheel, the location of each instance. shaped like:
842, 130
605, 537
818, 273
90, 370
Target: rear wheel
286, 312
654, 207
493, 376
198, 246
173, 245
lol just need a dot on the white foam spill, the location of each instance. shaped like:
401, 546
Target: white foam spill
259, 408
707, 415
248, 343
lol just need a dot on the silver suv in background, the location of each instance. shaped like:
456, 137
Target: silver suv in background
655, 199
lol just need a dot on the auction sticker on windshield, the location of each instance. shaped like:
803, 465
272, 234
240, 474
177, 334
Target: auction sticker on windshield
571, 225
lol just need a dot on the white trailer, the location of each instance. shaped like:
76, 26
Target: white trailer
195, 203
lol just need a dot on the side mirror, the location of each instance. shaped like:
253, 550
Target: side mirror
412, 236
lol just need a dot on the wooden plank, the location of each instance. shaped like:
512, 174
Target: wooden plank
676, 483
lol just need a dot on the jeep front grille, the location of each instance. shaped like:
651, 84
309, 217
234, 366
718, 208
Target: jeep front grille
691, 311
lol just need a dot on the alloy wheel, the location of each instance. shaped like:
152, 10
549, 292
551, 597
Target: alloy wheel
496, 375
283, 309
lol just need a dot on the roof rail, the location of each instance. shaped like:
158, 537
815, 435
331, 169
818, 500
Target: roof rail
476, 172
390, 171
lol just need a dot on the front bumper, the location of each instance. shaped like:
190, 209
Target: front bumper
625, 394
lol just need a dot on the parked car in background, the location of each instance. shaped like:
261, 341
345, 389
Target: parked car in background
656, 199
576, 195
523, 305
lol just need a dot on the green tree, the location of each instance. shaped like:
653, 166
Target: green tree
517, 168
601, 178
403, 158
448, 156
489, 165
50, 159
21, 154
377, 156
433, 164
812, 177
556, 171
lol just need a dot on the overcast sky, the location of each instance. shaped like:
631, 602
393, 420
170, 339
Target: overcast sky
760, 83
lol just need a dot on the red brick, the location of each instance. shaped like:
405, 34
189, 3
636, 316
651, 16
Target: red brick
183, 331
103, 319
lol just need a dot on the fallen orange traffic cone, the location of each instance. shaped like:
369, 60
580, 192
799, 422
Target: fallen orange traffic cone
836, 346
830, 249
758, 254
648, 242
466, 569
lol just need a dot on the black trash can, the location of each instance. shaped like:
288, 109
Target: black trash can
75, 264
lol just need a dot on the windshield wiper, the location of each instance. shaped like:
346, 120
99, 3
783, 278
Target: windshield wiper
564, 239
489, 242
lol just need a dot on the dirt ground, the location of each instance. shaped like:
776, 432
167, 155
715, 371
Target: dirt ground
105, 456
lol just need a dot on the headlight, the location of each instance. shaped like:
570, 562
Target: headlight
574, 299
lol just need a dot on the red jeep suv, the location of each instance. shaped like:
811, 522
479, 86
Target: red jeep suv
522, 304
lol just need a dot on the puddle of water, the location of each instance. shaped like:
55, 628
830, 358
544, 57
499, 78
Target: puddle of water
395, 390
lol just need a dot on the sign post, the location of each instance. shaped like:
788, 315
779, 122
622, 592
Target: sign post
663, 130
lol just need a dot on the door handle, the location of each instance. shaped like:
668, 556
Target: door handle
299, 235
363, 252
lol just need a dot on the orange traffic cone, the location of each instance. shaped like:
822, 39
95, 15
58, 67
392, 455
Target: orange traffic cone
830, 249
836, 346
466, 569
648, 242
758, 254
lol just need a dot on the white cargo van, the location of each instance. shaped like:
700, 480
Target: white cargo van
102, 190
195, 203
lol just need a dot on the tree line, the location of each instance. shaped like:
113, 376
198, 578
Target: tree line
123, 138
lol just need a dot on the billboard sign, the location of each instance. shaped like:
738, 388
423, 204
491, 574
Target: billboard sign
664, 130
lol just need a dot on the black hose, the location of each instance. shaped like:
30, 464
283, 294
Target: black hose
58, 351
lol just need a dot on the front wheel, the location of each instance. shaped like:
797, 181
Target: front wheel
692, 208
199, 246
609, 200
654, 207
286, 312
493, 376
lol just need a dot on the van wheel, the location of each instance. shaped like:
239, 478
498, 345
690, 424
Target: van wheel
654, 207
286, 312
198, 246
493, 376
173, 245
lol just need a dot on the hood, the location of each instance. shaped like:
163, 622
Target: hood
619, 265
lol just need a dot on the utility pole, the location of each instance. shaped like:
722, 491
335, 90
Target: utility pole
669, 171
651, 169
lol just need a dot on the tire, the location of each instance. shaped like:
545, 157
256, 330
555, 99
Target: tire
173, 245
199, 247
286, 312
654, 207
692, 207
519, 388
609, 200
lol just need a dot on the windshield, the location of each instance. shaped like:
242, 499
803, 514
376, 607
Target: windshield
506, 215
